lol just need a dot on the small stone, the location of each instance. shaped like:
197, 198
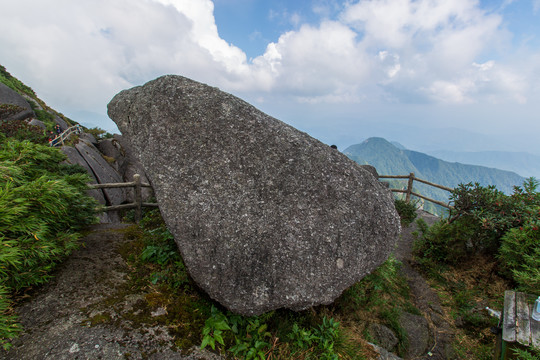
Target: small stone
74, 348
159, 312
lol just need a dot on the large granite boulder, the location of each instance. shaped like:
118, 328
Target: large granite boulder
264, 215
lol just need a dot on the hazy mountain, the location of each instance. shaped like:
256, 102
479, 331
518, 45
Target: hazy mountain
390, 160
522, 163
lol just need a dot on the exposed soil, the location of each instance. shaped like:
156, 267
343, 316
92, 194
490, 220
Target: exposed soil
62, 319
424, 298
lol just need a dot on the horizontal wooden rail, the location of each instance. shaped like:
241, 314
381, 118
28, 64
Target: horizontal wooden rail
77, 129
137, 198
409, 190
116, 185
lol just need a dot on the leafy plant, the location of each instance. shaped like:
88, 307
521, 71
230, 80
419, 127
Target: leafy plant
406, 211
9, 327
99, 133
21, 130
527, 354
42, 206
250, 336
213, 329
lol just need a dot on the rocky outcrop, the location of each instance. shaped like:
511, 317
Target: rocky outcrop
126, 163
264, 215
109, 162
382, 336
417, 329
20, 108
102, 171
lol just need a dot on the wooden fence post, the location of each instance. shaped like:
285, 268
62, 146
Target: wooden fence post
137, 197
409, 188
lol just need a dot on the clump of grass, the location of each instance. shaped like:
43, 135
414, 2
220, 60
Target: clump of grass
43, 206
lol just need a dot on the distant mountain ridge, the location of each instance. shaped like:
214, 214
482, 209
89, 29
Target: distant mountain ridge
522, 163
391, 160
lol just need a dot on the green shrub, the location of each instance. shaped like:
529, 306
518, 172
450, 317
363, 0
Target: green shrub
99, 133
488, 221
9, 327
13, 83
527, 354
21, 130
406, 211
520, 256
479, 220
43, 204
44, 116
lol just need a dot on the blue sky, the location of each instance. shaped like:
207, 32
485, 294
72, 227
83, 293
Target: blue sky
460, 75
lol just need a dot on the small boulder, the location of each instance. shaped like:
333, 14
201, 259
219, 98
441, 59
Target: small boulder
265, 216
38, 123
383, 336
417, 329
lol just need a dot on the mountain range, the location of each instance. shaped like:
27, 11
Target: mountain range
393, 159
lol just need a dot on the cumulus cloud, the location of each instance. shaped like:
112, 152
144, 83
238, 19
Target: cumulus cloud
81, 53
84, 52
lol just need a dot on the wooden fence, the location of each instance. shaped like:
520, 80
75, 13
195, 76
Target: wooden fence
409, 190
137, 196
138, 185
59, 140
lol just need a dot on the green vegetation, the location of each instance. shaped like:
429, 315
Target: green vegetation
98, 133
43, 205
489, 243
42, 111
20, 130
406, 211
324, 332
15, 84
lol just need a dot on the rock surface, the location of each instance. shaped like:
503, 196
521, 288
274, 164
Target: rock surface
60, 320
11, 97
383, 336
103, 171
264, 215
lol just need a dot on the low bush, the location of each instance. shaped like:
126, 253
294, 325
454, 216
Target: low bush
406, 211
490, 243
21, 130
43, 205
485, 220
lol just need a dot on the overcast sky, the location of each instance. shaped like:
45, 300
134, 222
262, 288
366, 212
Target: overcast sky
427, 73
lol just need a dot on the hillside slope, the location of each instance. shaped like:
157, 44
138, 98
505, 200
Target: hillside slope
522, 163
390, 160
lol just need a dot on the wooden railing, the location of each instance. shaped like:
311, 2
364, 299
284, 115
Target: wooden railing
409, 190
138, 185
77, 129
137, 196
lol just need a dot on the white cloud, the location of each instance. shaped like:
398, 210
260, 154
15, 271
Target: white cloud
80, 53
315, 61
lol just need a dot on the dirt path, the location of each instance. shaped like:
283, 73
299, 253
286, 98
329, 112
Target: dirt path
60, 320
424, 298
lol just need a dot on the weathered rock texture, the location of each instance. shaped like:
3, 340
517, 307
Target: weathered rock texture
264, 215
11, 97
